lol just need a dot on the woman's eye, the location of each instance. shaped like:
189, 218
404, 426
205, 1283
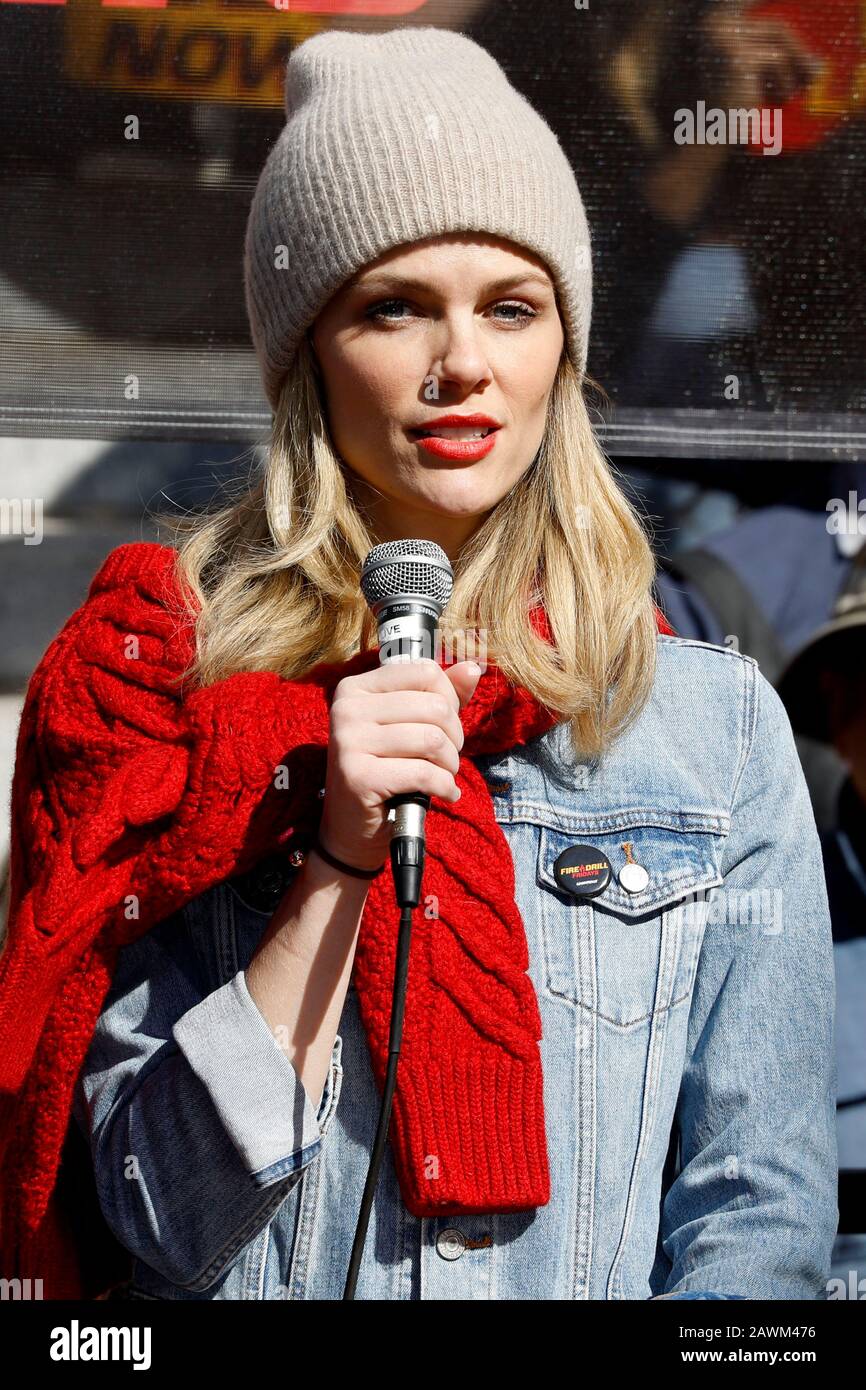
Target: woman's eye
377, 311
524, 312
519, 312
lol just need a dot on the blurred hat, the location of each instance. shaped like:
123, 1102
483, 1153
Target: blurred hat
838, 645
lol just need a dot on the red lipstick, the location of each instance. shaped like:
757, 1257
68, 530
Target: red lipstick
462, 450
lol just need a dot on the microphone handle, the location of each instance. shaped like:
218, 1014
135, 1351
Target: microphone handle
408, 631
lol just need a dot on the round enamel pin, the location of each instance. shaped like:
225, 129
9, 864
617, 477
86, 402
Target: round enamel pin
632, 877
582, 870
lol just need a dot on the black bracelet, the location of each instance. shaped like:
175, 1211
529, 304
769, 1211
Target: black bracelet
346, 868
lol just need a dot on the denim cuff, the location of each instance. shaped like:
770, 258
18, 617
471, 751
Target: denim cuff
256, 1091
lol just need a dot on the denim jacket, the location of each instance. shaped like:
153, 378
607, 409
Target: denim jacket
687, 1052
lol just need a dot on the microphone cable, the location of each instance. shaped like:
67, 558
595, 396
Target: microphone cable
407, 862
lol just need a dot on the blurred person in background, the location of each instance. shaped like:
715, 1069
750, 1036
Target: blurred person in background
824, 690
726, 276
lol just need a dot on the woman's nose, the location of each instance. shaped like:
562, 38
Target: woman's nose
463, 358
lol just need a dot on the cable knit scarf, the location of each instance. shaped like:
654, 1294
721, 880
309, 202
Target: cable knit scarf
125, 791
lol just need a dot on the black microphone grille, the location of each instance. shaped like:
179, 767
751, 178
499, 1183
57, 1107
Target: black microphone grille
407, 567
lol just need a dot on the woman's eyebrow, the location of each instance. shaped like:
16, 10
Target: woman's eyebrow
380, 282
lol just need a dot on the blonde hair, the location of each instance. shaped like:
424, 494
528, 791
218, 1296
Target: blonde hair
275, 571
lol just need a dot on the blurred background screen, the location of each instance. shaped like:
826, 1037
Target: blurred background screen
730, 272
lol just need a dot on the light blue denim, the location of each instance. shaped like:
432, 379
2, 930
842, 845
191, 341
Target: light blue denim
704, 1002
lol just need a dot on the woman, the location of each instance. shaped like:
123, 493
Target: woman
587, 872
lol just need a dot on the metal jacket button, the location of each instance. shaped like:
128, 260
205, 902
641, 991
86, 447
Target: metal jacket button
270, 882
450, 1243
264, 885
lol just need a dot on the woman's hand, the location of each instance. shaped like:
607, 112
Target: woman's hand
393, 729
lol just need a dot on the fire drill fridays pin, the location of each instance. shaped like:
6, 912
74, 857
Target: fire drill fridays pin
582, 870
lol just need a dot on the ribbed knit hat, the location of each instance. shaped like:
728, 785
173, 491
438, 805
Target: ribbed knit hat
391, 138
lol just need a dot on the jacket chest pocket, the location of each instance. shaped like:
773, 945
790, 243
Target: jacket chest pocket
627, 956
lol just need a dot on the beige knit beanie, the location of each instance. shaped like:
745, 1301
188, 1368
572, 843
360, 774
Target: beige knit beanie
391, 138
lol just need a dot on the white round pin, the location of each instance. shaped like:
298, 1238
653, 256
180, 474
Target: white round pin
633, 877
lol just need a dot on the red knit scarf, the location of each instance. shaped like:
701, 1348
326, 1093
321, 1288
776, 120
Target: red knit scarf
124, 790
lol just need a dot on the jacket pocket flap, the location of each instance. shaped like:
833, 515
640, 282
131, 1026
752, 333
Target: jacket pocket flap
678, 863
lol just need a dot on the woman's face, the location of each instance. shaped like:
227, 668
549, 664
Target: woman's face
453, 325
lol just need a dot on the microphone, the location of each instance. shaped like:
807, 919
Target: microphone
407, 584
